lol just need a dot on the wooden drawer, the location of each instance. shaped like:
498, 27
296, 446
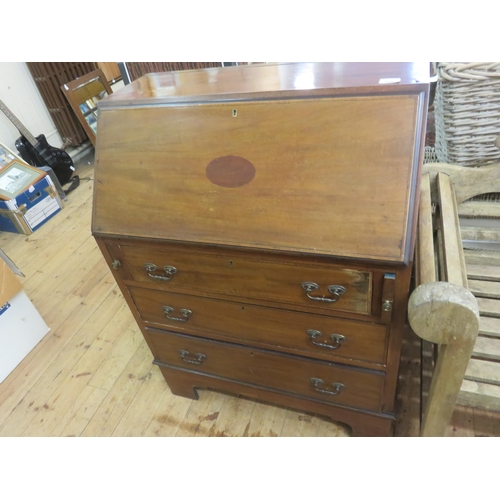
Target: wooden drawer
258, 277
296, 332
359, 388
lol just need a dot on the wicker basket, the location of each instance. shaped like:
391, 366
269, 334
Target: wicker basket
467, 113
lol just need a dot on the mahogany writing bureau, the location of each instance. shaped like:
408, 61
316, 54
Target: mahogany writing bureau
260, 221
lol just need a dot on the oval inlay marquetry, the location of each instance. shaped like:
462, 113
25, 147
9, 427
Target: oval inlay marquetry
230, 171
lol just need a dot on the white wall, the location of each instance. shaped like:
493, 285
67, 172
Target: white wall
20, 94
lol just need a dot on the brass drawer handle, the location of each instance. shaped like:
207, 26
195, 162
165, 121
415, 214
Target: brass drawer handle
169, 271
198, 358
337, 386
336, 337
186, 313
335, 290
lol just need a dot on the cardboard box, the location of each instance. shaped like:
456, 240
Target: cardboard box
21, 326
31, 209
9, 283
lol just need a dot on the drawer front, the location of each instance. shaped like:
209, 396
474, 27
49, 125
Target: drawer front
321, 380
321, 287
309, 334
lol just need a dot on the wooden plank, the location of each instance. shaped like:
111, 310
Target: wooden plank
489, 326
137, 416
479, 209
426, 267
87, 323
461, 423
485, 289
66, 319
68, 228
483, 371
35, 275
483, 222
109, 371
480, 234
407, 407
429, 307
479, 395
298, 424
82, 410
52, 292
267, 421
486, 423
169, 415
487, 349
121, 395
428, 363
202, 416
64, 397
483, 272
489, 307
454, 264
482, 258
234, 418
468, 182
439, 260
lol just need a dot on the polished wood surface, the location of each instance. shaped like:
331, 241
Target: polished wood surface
361, 423
111, 70
266, 327
362, 148
84, 90
298, 79
270, 200
259, 276
92, 374
361, 388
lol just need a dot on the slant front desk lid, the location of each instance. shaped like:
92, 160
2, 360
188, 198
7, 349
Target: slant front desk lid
316, 158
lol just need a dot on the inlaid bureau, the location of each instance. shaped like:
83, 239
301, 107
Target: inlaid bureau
260, 221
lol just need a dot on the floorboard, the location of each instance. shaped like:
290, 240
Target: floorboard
92, 374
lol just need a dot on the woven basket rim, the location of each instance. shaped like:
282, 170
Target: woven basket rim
471, 72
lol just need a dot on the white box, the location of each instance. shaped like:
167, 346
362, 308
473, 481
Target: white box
21, 328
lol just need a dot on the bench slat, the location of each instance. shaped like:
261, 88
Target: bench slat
486, 273
489, 326
479, 395
487, 372
485, 289
487, 349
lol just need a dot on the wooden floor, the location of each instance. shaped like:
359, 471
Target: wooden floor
92, 374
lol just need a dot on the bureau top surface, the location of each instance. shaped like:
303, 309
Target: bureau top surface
331, 174
255, 81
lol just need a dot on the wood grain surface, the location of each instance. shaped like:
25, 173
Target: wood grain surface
78, 298
265, 326
332, 176
260, 276
361, 388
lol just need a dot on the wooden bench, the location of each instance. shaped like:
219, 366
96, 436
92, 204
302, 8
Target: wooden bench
456, 305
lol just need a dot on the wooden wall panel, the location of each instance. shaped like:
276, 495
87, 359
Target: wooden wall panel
49, 76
